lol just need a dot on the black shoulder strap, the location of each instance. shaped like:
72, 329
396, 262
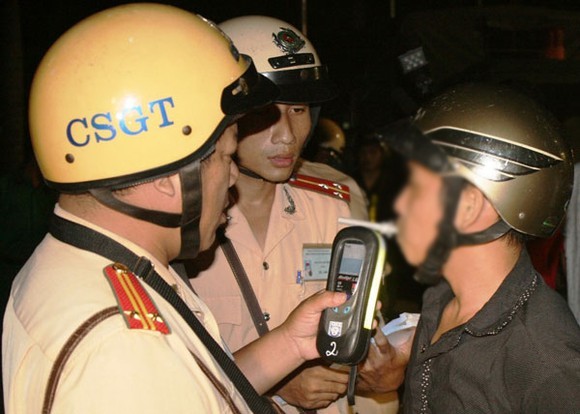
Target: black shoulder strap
247, 291
244, 284
87, 239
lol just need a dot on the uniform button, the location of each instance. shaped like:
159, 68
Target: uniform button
265, 265
266, 316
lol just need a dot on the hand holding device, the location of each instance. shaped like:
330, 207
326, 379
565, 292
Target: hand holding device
356, 268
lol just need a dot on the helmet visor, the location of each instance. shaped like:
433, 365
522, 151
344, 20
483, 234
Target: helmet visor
248, 92
310, 85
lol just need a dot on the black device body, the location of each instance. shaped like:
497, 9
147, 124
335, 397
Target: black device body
356, 267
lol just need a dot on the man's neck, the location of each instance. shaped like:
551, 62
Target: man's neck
254, 191
474, 274
255, 200
142, 233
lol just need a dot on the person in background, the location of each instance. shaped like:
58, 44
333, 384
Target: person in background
327, 162
572, 228
282, 225
572, 246
329, 143
381, 174
132, 118
488, 168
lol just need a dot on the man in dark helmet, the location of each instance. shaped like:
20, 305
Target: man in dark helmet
488, 168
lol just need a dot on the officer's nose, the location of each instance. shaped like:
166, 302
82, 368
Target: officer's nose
282, 132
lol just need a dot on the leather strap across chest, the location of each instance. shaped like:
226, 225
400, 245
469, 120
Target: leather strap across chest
87, 239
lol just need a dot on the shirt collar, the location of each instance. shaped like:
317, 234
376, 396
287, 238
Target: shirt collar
168, 275
512, 294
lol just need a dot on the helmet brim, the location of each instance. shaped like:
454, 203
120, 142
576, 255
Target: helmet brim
405, 138
307, 85
250, 91
309, 92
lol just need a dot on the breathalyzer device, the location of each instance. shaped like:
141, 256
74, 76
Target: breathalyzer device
356, 267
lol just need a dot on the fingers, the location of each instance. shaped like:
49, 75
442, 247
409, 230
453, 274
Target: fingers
326, 299
382, 342
318, 401
315, 387
328, 389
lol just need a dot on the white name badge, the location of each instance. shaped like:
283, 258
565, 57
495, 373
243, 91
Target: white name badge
315, 261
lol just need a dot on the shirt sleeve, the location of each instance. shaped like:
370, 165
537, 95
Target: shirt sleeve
558, 393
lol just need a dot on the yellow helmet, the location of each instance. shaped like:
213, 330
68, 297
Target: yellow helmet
135, 92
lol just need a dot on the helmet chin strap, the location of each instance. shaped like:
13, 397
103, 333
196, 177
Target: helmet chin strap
249, 173
429, 272
188, 221
191, 193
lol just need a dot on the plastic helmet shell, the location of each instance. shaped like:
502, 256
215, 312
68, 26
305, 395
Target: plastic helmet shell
502, 142
284, 55
134, 92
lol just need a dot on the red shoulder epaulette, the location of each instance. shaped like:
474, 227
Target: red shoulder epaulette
135, 305
321, 185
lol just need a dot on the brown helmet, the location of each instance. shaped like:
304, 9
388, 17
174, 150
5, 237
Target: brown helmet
503, 143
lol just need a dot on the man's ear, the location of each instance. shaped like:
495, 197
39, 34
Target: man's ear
167, 185
471, 209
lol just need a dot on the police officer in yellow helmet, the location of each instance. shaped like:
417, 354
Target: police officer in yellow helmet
132, 117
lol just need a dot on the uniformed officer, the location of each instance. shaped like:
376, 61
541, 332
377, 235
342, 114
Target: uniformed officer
131, 111
282, 224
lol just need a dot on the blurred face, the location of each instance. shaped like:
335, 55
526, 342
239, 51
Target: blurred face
371, 157
419, 211
218, 173
271, 139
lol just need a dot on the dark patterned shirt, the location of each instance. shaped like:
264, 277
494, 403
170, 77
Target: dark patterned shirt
519, 354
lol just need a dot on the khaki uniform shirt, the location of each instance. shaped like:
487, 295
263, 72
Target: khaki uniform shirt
297, 217
114, 369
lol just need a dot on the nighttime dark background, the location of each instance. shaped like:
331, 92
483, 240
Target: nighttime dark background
510, 41
531, 45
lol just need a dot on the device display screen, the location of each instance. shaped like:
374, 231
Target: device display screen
350, 267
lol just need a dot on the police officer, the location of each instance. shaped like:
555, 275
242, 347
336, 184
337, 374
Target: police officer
487, 168
132, 120
280, 223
